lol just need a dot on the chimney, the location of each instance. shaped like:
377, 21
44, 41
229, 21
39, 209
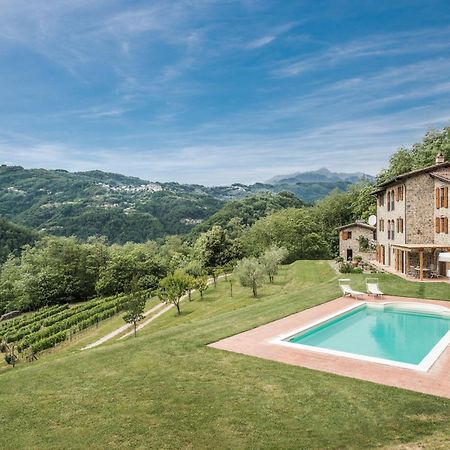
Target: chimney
440, 158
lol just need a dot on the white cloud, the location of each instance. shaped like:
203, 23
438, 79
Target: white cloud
260, 42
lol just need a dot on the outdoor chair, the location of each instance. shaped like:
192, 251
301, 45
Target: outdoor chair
373, 288
347, 289
413, 272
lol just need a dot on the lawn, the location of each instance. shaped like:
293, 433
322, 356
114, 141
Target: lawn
167, 390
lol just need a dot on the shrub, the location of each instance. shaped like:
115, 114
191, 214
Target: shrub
346, 267
357, 270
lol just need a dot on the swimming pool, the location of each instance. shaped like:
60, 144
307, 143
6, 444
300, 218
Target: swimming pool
406, 335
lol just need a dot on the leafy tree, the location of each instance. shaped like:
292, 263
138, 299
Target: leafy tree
297, 230
191, 284
250, 273
215, 249
271, 260
421, 154
127, 262
201, 284
235, 215
135, 306
194, 268
172, 288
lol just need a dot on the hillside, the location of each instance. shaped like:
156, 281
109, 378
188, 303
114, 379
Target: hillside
123, 208
13, 237
237, 213
98, 203
166, 389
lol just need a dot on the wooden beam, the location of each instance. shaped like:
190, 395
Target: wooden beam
407, 262
421, 263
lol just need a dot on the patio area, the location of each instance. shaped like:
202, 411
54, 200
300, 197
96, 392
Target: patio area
259, 342
417, 262
408, 276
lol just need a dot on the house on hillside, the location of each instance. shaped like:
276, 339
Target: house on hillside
412, 221
356, 239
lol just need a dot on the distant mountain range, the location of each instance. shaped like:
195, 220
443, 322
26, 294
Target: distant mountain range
322, 175
124, 208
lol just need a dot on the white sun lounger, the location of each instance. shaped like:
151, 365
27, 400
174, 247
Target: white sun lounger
372, 287
347, 289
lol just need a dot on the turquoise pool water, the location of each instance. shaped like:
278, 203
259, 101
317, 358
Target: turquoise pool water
390, 333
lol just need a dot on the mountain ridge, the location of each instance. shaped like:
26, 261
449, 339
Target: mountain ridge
320, 175
121, 207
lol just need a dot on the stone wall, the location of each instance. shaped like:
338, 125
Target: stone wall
419, 220
353, 243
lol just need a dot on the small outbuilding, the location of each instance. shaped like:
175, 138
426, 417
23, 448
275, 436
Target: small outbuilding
357, 239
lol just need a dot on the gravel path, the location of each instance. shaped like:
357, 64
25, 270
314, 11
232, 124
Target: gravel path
151, 319
128, 326
120, 329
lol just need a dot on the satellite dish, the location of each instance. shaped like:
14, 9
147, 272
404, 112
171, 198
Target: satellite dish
372, 220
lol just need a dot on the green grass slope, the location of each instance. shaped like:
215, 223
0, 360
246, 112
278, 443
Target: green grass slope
167, 390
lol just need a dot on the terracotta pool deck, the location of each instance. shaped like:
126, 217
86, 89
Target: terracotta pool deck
257, 343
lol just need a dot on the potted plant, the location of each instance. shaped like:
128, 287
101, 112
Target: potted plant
356, 260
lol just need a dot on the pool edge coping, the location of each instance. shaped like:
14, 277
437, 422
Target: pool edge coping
424, 366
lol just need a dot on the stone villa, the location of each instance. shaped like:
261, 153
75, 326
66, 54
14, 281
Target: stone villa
412, 221
356, 239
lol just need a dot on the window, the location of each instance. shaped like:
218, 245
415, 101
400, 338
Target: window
381, 200
388, 201
392, 201
381, 225
346, 235
441, 197
441, 225
390, 229
400, 225
400, 193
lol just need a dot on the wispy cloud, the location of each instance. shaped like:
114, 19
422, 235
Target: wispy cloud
260, 42
376, 46
213, 91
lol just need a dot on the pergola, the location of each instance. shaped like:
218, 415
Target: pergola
420, 248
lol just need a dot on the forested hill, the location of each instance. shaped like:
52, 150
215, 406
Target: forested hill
13, 237
98, 203
119, 207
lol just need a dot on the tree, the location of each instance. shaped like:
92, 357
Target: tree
135, 305
11, 357
201, 284
172, 288
421, 154
297, 230
215, 248
271, 260
191, 283
250, 273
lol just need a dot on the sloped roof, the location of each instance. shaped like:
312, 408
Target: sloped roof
381, 187
357, 224
441, 176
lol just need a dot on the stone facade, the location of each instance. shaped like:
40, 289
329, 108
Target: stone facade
419, 209
349, 244
413, 210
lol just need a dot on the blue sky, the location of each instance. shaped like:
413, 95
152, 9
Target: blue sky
215, 92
